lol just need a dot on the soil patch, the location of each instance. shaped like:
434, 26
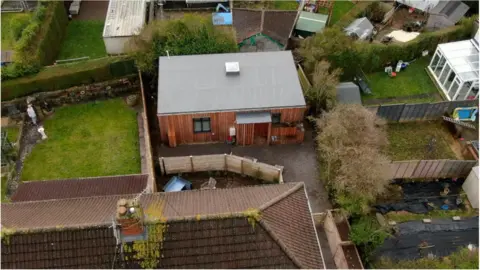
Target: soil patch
224, 180
343, 230
351, 257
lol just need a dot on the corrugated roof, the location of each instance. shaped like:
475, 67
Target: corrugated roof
462, 56
311, 22
124, 18
199, 83
253, 117
207, 229
348, 93
80, 187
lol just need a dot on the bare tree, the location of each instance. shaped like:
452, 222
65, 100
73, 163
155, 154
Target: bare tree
350, 146
323, 92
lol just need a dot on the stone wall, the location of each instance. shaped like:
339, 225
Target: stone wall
74, 95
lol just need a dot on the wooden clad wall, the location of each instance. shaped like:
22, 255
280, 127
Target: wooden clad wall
291, 114
220, 122
183, 125
245, 134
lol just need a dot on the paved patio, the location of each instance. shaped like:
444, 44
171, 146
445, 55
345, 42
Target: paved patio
299, 161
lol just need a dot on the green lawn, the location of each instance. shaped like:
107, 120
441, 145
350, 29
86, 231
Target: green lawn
12, 133
86, 140
340, 8
286, 5
409, 141
12, 27
412, 82
84, 38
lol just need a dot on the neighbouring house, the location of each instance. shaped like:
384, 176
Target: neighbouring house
250, 98
441, 14
348, 93
454, 69
125, 19
80, 187
268, 226
263, 30
309, 23
361, 29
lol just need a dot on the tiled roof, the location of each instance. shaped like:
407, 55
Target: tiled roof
206, 229
80, 187
276, 24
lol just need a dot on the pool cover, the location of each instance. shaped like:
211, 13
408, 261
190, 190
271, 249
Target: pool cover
422, 197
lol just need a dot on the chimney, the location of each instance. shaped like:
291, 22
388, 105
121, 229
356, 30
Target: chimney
232, 68
130, 217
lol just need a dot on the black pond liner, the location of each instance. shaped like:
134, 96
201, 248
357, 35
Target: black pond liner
415, 239
418, 197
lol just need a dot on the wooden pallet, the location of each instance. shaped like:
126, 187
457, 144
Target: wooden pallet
458, 122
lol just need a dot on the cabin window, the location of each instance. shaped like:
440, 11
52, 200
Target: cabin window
201, 125
276, 118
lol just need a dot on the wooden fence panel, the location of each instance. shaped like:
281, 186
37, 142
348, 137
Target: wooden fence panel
177, 165
222, 162
391, 112
234, 164
420, 111
431, 168
207, 163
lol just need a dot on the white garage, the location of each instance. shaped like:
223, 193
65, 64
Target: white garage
125, 18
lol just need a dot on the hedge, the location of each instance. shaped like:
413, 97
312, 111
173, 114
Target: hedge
40, 41
68, 75
373, 57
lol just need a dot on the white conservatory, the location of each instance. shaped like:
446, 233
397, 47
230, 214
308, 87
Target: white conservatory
454, 67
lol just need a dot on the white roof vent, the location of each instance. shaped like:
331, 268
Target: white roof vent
232, 67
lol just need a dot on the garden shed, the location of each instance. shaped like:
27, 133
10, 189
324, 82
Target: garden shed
125, 18
454, 68
310, 23
348, 93
361, 28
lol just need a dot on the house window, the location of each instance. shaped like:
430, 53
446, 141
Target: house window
276, 118
201, 125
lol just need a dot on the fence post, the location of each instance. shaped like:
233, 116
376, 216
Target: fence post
225, 161
162, 167
241, 165
279, 174
191, 163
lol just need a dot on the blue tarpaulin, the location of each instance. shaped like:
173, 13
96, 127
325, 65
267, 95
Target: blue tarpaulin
177, 183
222, 18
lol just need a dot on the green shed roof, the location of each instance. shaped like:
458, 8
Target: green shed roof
311, 22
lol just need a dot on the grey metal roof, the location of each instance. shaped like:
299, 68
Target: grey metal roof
348, 93
453, 10
253, 117
199, 83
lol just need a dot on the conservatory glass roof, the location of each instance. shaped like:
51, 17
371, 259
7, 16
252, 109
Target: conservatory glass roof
463, 58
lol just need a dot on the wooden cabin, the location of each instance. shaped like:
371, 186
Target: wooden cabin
241, 98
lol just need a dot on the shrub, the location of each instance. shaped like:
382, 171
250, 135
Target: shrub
186, 36
40, 40
68, 75
322, 95
374, 12
334, 46
349, 149
368, 235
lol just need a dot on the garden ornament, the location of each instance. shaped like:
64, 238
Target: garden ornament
31, 113
41, 130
